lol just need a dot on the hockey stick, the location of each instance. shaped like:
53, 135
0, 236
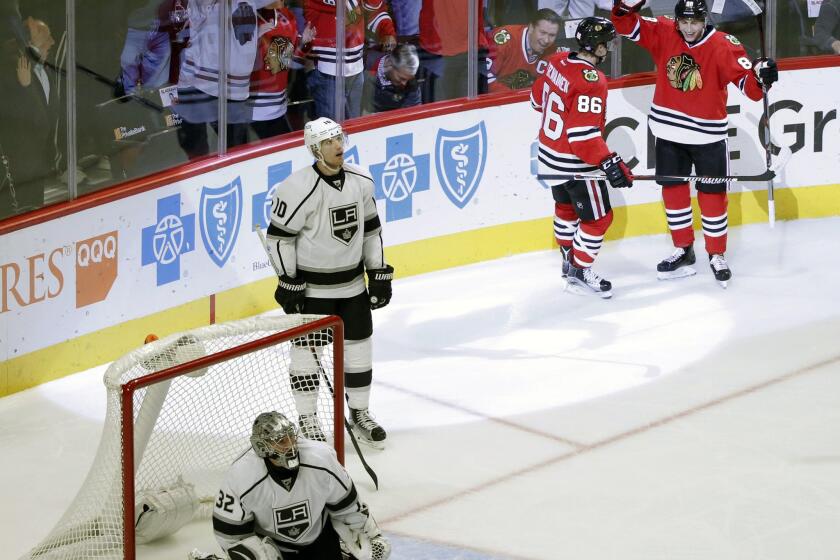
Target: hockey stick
349, 428
323, 374
764, 176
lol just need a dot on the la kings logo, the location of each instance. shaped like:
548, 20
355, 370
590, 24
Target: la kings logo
292, 521
345, 222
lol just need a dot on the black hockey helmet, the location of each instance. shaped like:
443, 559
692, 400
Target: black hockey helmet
694, 9
593, 31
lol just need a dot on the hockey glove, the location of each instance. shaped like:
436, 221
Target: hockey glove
290, 294
617, 172
620, 8
379, 286
766, 72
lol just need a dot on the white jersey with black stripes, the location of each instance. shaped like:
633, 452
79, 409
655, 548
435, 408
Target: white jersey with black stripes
290, 507
326, 230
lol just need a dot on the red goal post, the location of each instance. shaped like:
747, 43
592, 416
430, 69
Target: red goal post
180, 411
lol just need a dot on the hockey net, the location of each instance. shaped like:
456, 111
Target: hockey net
179, 412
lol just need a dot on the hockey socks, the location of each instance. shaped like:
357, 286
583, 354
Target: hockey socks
677, 200
715, 221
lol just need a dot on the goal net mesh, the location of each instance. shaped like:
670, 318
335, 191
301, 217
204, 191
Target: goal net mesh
189, 428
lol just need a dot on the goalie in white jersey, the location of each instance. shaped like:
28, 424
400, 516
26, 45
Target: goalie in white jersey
291, 499
324, 234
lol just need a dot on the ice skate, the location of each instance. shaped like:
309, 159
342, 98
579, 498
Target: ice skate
567, 256
720, 269
367, 429
586, 281
310, 428
678, 265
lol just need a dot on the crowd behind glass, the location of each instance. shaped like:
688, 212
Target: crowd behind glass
126, 88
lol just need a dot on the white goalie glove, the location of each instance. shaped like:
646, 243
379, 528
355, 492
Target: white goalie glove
251, 548
162, 512
361, 536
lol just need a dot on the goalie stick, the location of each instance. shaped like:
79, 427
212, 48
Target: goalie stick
323, 374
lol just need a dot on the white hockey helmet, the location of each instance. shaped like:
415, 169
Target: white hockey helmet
274, 437
319, 130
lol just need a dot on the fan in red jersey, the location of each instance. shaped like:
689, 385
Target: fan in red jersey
695, 63
572, 96
520, 51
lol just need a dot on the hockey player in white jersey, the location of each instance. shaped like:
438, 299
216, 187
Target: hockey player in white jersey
287, 498
324, 235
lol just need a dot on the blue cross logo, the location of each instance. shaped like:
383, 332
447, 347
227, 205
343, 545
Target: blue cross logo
400, 176
170, 237
261, 202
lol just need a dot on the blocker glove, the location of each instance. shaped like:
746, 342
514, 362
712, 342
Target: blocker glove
290, 294
620, 8
617, 172
379, 286
766, 71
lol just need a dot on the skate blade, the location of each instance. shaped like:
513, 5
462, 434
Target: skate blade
368, 442
681, 272
579, 290
723, 283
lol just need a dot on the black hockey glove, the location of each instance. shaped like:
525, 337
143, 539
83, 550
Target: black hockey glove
290, 294
379, 286
617, 172
766, 71
622, 9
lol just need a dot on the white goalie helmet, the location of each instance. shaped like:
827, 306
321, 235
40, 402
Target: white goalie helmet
274, 437
319, 130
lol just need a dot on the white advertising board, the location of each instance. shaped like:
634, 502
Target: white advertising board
434, 176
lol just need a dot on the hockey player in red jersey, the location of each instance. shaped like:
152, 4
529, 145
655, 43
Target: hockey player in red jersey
695, 63
572, 96
519, 51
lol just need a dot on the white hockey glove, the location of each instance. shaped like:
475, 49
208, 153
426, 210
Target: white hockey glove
254, 548
162, 512
361, 535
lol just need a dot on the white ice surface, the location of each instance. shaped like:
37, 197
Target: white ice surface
676, 421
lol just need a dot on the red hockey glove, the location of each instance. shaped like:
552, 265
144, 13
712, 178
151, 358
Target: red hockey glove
622, 9
617, 172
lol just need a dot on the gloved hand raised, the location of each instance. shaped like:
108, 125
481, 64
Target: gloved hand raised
624, 7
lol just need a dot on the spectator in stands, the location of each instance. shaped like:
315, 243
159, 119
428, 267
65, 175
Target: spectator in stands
577, 8
391, 83
198, 83
321, 14
444, 38
147, 51
279, 44
827, 27
29, 119
407, 20
520, 48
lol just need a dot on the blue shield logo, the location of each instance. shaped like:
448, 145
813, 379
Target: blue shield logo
221, 214
459, 159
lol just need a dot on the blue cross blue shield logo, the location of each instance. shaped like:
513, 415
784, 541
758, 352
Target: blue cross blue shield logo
221, 215
171, 236
400, 176
460, 156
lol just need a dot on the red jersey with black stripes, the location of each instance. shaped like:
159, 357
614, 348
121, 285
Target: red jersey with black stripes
689, 101
514, 65
572, 96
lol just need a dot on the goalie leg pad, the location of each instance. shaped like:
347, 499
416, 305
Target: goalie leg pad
162, 512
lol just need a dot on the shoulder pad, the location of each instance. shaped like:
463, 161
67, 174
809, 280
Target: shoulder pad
501, 37
650, 19
732, 39
590, 75
669, 17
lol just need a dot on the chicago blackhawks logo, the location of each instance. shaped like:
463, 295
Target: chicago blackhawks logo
732, 39
518, 79
502, 37
278, 55
590, 75
684, 73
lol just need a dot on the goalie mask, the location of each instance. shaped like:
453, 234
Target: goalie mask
593, 31
319, 130
274, 437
